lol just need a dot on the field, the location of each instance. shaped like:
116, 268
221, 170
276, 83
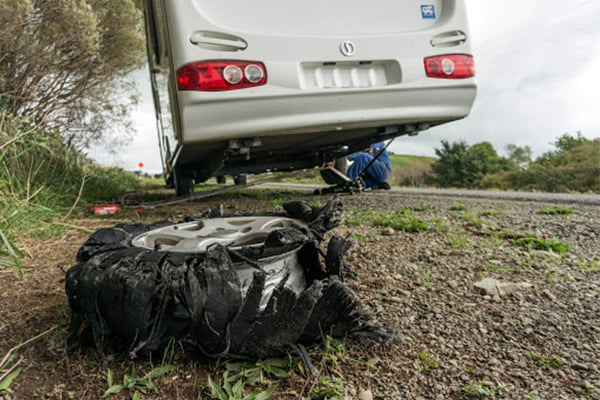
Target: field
414, 266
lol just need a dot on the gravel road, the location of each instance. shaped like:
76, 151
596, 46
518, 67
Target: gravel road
535, 334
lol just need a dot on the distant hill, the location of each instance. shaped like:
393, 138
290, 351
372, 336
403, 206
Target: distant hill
409, 170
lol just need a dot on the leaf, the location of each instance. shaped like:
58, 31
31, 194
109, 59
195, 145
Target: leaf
109, 377
6, 382
113, 390
136, 396
265, 394
161, 371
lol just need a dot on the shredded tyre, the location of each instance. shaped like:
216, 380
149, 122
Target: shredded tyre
250, 300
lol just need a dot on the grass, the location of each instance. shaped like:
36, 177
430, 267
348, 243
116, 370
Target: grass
250, 380
426, 362
470, 220
550, 361
8, 373
43, 182
555, 210
483, 389
534, 243
139, 385
457, 207
491, 213
403, 220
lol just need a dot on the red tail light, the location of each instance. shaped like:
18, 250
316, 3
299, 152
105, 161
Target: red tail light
218, 75
450, 66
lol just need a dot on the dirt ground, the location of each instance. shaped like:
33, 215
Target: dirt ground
451, 341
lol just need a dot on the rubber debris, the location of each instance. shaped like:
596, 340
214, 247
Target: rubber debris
139, 300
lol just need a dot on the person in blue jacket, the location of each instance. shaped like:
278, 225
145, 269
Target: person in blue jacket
378, 173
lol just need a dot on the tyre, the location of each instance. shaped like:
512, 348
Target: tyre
240, 179
242, 285
221, 179
341, 164
184, 184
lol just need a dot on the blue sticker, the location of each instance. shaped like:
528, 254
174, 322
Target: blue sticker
428, 11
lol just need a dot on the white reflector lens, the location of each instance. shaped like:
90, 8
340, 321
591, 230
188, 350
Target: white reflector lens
232, 74
254, 73
448, 66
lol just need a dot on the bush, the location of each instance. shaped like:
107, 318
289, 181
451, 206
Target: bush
41, 179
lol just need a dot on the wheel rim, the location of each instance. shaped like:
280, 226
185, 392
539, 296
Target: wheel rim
198, 236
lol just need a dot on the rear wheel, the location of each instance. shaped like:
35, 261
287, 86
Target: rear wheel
341, 164
221, 179
184, 184
240, 179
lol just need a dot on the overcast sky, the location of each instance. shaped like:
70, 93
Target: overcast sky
538, 72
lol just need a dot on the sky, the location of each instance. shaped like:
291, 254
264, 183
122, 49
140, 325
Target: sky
538, 74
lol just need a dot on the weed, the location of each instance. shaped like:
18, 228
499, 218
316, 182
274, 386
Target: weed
8, 377
482, 389
233, 389
424, 275
361, 235
490, 213
470, 219
139, 385
457, 207
543, 361
403, 220
495, 268
426, 362
456, 240
537, 243
329, 389
255, 373
555, 210
336, 350
424, 207
592, 265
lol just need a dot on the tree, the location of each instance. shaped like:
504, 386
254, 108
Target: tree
518, 156
63, 62
462, 165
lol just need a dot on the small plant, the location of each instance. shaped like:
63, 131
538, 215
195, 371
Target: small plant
329, 389
424, 207
471, 220
490, 213
426, 362
456, 240
592, 265
361, 235
536, 243
402, 220
255, 373
482, 389
424, 275
543, 361
233, 389
555, 210
336, 350
139, 385
10, 374
495, 268
457, 207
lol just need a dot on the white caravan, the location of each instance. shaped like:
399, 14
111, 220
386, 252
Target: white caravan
250, 86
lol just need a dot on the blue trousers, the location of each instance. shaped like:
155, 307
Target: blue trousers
376, 174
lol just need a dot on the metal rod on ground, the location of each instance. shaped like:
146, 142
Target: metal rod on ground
216, 192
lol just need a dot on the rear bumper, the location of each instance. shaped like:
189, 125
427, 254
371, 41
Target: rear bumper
268, 112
